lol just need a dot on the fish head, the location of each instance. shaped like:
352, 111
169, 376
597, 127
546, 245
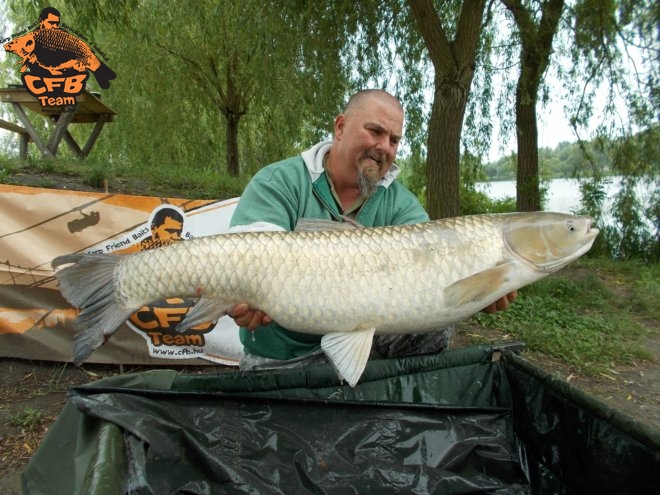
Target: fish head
549, 240
22, 46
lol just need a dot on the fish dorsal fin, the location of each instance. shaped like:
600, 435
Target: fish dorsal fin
318, 224
203, 311
349, 352
479, 287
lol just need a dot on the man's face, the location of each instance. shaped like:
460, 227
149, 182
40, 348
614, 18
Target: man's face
169, 229
368, 138
50, 22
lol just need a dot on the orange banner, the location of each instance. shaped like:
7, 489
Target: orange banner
39, 224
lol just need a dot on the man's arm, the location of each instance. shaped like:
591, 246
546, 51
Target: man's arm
270, 198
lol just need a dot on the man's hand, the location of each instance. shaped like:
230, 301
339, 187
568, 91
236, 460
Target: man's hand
501, 303
248, 317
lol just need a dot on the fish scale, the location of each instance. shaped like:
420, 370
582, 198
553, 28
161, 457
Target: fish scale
59, 46
345, 284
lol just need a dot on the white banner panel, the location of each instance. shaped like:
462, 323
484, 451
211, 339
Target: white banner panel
39, 224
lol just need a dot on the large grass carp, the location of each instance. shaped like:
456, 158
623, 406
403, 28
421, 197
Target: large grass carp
344, 283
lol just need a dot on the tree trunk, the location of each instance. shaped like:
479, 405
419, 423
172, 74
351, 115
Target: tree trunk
443, 151
528, 194
233, 162
535, 52
453, 62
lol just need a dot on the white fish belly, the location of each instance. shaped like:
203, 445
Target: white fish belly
320, 282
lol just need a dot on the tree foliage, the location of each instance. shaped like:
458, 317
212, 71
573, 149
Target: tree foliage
230, 67
231, 86
614, 46
186, 81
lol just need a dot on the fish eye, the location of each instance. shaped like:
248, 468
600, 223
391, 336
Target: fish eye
571, 227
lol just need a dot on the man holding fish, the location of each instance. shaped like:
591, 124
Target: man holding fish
352, 178
303, 260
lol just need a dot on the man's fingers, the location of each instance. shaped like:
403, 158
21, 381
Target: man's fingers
255, 320
491, 308
512, 295
502, 303
245, 316
239, 311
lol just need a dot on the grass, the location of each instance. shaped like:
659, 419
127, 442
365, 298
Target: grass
590, 316
180, 180
27, 418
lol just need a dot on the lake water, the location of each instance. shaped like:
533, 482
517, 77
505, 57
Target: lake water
563, 194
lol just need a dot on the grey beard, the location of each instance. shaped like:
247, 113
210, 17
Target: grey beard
366, 183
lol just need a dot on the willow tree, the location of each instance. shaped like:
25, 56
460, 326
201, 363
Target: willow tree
452, 48
244, 57
537, 24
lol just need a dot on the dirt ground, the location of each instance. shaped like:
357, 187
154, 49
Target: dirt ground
635, 390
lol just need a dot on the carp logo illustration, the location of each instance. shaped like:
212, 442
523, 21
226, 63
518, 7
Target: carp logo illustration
58, 62
157, 321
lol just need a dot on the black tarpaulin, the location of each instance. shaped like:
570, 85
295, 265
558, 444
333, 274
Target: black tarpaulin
457, 422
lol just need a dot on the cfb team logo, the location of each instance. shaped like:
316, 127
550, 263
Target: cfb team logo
156, 322
59, 62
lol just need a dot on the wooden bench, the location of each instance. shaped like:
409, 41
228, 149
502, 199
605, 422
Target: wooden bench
88, 109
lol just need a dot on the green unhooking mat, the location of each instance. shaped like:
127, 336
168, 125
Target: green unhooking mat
461, 421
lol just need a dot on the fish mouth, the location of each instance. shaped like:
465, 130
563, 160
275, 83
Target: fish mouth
591, 232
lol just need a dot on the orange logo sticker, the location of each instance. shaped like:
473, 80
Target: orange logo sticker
59, 63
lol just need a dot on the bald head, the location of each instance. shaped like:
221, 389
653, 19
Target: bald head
367, 136
364, 97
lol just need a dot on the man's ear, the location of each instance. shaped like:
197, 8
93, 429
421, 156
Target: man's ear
340, 120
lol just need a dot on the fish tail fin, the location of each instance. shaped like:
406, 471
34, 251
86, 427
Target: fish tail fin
103, 75
86, 278
87, 283
87, 339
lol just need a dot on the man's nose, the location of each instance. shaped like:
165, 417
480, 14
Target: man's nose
383, 143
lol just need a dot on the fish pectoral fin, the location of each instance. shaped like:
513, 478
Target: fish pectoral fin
349, 352
203, 311
478, 287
